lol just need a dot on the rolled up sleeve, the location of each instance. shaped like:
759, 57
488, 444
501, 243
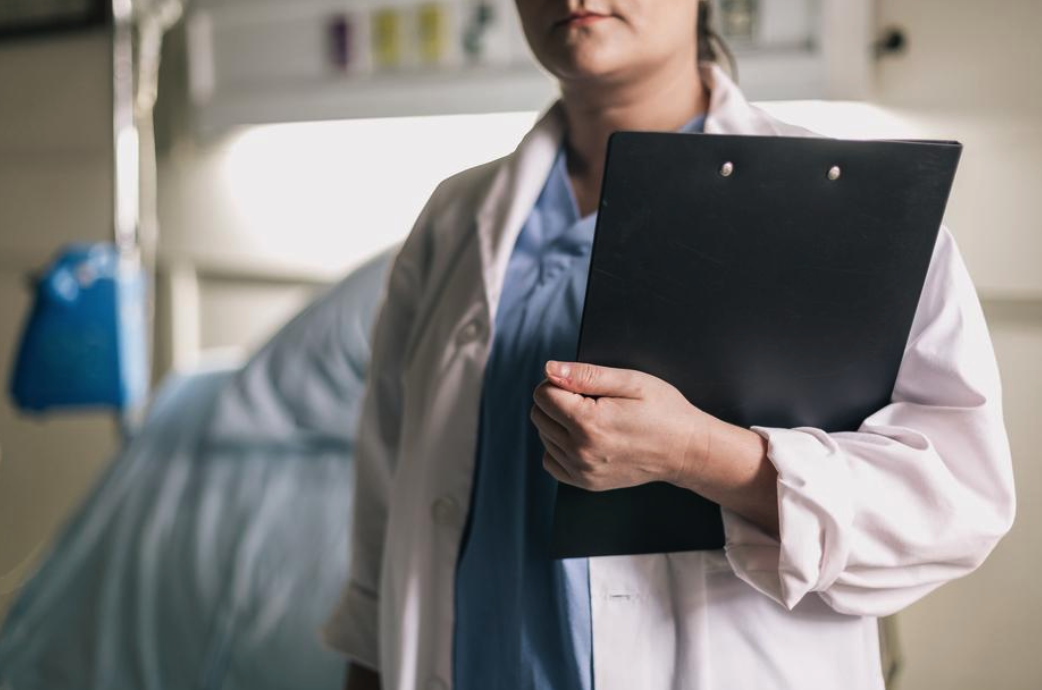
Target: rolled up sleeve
920, 494
352, 628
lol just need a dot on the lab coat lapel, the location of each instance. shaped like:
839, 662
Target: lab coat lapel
729, 112
514, 191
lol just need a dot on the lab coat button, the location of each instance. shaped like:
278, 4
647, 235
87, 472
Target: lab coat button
469, 333
434, 683
445, 511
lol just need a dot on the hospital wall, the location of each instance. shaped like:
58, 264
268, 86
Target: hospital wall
55, 187
971, 73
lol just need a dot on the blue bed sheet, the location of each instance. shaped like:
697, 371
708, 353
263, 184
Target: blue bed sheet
217, 541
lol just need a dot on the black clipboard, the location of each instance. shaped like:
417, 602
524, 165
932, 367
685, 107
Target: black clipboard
772, 280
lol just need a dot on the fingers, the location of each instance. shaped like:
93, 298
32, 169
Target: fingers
555, 461
590, 379
565, 468
556, 469
555, 439
558, 404
548, 427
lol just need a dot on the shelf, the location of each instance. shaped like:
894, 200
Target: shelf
268, 61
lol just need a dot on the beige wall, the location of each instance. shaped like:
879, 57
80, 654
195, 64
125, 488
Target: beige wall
985, 631
971, 73
55, 187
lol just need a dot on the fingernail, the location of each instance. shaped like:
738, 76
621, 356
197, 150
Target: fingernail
558, 369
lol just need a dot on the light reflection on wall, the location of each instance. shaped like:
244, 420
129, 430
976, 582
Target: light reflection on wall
328, 193
843, 119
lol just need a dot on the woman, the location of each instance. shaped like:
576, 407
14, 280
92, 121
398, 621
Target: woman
450, 582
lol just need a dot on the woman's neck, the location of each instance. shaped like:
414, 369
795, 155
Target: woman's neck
664, 101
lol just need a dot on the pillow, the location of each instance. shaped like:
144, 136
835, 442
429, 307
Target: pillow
306, 383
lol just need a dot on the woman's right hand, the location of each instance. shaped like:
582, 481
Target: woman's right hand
361, 678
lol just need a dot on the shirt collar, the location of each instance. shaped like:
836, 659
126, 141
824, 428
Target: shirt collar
559, 190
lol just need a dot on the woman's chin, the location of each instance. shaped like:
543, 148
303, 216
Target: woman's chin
587, 64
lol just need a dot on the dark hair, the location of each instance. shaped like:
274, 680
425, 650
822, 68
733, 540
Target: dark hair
711, 46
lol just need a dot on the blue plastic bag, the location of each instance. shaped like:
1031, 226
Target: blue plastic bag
85, 343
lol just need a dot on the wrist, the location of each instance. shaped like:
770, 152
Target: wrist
690, 470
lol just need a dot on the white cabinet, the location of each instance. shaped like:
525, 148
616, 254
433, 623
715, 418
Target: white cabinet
257, 61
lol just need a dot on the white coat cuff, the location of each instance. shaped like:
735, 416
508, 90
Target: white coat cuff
352, 628
814, 517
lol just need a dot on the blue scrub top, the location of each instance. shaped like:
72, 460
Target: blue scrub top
523, 618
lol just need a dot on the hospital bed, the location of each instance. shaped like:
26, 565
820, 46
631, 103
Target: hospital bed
212, 548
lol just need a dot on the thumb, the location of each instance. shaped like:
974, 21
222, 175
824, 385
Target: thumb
590, 379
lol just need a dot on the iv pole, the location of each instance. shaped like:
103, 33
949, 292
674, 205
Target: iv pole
136, 42
137, 35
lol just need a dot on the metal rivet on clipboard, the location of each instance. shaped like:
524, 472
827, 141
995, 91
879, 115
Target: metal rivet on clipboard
834, 173
727, 169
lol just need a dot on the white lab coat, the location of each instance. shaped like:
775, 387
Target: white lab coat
870, 520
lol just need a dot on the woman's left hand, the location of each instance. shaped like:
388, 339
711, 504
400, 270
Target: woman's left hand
606, 428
